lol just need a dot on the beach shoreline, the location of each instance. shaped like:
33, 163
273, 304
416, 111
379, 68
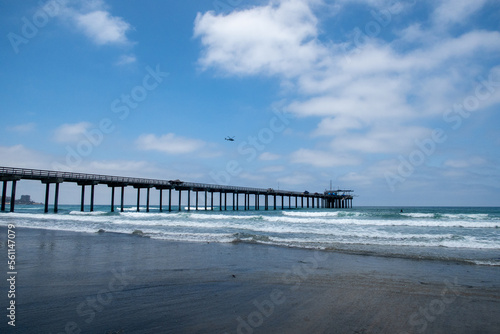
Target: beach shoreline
74, 282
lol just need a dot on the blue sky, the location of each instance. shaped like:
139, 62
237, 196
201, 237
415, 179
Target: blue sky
397, 100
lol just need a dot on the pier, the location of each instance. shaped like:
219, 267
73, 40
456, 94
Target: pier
328, 199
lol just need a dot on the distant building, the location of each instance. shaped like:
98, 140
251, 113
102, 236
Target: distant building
24, 200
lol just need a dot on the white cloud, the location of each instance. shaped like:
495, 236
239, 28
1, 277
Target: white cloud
337, 125
461, 48
472, 162
22, 157
412, 33
103, 28
275, 39
295, 180
372, 3
70, 133
381, 139
268, 156
96, 22
131, 167
322, 158
455, 11
272, 169
372, 174
251, 177
368, 98
126, 59
24, 128
169, 143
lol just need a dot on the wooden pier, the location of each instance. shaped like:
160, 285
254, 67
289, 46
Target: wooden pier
328, 199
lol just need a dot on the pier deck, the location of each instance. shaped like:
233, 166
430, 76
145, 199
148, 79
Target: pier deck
328, 199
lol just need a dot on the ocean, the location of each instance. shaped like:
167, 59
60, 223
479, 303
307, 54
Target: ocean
458, 234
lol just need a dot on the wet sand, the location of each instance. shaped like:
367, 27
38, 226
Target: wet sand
110, 283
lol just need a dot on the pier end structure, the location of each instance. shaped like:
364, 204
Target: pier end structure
338, 199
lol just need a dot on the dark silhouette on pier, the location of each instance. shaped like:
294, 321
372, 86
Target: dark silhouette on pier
329, 199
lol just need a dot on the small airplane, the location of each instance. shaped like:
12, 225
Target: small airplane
229, 138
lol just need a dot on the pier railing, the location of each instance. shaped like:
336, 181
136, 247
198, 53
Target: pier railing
40, 174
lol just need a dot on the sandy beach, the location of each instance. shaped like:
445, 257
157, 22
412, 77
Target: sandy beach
71, 282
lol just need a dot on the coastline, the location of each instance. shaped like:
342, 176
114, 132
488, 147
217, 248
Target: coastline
116, 283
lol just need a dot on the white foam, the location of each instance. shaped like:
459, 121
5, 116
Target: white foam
471, 243
295, 228
215, 216
191, 237
93, 213
466, 216
134, 208
311, 214
200, 208
418, 215
383, 222
148, 215
492, 263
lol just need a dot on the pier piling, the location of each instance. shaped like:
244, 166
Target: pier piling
13, 196
180, 199
4, 195
112, 199
122, 198
147, 198
92, 193
47, 188
170, 200
56, 198
82, 202
161, 200
138, 198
